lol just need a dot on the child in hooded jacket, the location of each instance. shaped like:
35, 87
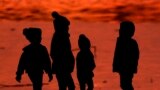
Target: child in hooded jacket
85, 64
34, 59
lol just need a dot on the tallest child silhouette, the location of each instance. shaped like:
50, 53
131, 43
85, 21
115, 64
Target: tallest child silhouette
61, 54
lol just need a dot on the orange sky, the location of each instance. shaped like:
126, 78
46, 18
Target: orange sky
86, 10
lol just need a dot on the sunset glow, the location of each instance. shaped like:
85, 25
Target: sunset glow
86, 10
99, 21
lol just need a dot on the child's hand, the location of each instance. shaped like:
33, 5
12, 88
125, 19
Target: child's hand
50, 77
18, 78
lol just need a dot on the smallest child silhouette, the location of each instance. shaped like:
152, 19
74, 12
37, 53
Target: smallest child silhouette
126, 55
34, 59
85, 64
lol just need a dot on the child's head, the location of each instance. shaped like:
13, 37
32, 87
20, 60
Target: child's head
127, 29
61, 23
84, 42
33, 34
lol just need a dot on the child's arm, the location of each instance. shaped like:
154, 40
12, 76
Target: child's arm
21, 67
92, 62
47, 65
116, 58
136, 55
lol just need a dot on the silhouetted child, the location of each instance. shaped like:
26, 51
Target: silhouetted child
85, 64
34, 59
61, 54
126, 55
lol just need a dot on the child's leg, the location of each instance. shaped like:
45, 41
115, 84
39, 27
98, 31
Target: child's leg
36, 81
90, 84
126, 81
81, 83
70, 82
61, 81
65, 80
